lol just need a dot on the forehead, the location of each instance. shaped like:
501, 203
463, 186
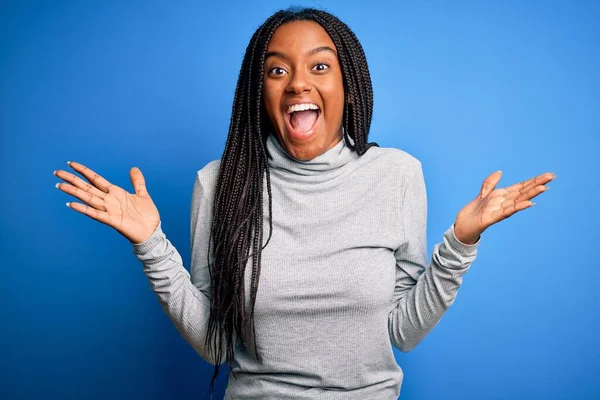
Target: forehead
300, 36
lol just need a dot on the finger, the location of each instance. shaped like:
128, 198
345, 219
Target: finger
490, 183
90, 212
510, 209
82, 195
79, 183
538, 180
91, 176
138, 181
520, 187
526, 193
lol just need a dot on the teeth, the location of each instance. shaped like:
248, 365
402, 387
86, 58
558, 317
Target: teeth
302, 107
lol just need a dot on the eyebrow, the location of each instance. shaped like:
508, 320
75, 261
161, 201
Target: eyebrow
310, 53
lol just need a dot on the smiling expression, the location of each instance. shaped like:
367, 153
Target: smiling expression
302, 75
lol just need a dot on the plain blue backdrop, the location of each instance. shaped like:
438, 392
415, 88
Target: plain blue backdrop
468, 87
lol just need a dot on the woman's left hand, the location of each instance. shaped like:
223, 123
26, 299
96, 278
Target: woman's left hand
493, 205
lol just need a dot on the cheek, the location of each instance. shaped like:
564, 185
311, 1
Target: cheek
335, 101
269, 99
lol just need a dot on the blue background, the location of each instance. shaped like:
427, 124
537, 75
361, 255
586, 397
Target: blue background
468, 87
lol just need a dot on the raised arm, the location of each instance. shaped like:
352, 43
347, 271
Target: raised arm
135, 216
423, 294
186, 303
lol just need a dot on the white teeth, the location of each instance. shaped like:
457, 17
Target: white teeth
302, 107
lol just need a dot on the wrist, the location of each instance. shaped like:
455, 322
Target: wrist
465, 238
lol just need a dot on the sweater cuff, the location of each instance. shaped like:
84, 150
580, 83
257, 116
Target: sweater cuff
465, 249
151, 242
452, 254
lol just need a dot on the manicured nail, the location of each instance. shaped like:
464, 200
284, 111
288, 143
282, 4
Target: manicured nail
69, 162
54, 173
68, 205
57, 185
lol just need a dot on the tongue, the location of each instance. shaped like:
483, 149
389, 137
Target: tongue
302, 121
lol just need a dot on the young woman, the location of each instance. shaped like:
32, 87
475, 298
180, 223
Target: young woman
309, 255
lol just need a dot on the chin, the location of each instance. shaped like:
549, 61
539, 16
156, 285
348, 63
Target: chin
304, 154
306, 150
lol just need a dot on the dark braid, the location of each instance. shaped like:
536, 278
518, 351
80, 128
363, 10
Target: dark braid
237, 227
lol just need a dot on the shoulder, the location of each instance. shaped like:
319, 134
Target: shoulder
391, 159
210, 171
206, 178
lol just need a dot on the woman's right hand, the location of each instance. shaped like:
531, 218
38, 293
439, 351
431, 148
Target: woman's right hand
133, 215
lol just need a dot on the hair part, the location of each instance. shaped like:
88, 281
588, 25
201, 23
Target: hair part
237, 227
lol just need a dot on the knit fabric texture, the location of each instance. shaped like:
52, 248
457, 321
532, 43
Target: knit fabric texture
344, 277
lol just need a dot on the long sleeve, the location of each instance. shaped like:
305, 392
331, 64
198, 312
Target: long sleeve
423, 294
186, 304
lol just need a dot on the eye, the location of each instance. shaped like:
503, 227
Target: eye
320, 67
276, 71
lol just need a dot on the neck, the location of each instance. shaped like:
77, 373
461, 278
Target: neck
307, 152
325, 164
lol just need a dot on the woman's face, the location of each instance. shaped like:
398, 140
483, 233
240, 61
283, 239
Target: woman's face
303, 89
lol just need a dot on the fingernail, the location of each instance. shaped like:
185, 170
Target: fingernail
533, 204
57, 185
69, 162
68, 205
54, 173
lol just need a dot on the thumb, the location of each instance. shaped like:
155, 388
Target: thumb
138, 181
489, 184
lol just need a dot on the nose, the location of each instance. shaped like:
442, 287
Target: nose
299, 83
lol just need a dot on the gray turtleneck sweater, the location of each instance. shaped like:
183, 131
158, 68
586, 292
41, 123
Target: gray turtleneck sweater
344, 278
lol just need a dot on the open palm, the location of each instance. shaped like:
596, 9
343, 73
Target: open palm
494, 205
133, 215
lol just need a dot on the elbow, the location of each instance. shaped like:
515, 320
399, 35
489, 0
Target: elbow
404, 337
405, 341
209, 353
209, 356
209, 359
406, 345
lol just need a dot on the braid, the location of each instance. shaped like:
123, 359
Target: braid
357, 81
237, 227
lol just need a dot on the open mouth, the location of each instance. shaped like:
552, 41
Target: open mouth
301, 119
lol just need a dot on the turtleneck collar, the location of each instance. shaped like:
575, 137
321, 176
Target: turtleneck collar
325, 165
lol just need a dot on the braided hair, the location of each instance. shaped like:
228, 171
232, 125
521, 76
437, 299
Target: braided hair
237, 227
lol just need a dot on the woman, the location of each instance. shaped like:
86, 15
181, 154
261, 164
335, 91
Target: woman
309, 255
